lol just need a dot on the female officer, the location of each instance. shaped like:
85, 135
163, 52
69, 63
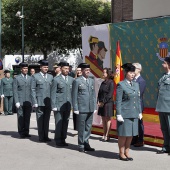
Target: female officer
128, 110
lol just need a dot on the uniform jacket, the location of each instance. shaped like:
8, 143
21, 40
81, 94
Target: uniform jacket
142, 86
105, 94
84, 99
41, 89
128, 100
61, 93
163, 100
22, 90
6, 86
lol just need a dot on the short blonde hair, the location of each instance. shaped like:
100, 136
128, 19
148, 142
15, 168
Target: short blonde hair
138, 65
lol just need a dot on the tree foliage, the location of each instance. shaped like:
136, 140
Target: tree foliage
50, 24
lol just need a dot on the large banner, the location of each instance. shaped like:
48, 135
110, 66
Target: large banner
96, 47
146, 42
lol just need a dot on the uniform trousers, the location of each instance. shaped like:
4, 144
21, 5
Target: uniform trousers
84, 124
165, 128
24, 114
8, 102
43, 118
61, 125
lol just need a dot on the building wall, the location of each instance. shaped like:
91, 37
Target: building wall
150, 8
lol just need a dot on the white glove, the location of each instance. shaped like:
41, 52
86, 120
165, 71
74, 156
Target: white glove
54, 109
35, 105
2, 96
76, 112
17, 105
120, 118
94, 111
140, 116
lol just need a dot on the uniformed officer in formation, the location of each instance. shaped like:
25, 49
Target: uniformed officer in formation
84, 105
61, 100
7, 92
41, 98
163, 105
128, 111
22, 100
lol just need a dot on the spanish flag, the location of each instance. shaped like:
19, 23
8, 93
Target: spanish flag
118, 76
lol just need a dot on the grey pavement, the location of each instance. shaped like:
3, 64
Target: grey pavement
29, 154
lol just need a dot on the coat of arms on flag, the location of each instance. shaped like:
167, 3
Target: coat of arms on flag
163, 48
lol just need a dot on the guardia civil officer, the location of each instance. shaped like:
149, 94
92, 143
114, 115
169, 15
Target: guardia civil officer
84, 105
128, 110
163, 105
7, 92
41, 94
22, 100
61, 101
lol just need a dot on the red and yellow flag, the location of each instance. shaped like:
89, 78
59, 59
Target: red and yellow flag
118, 76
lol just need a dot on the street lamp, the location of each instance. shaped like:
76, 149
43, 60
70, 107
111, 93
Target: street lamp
21, 16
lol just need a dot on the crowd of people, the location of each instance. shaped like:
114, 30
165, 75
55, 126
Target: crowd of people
67, 91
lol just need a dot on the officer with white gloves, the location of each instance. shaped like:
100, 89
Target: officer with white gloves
128, 111
22, 99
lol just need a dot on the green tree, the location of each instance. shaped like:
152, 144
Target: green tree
50, 24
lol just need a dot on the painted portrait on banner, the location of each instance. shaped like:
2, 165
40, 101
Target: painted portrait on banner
96, 48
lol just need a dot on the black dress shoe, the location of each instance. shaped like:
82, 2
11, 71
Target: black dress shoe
81, 150
161, 152
42, 140
65, 144
89, 149
22, 136
47, 139
59, 144
27, 136
130, 159
123, 159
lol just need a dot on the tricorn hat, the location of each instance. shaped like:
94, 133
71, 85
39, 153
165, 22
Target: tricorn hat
43, 62
128, 67
62, 64
84, 65
23, 65
6, 71
101, 45
167, 59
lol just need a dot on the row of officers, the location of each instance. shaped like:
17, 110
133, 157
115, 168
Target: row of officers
62, 93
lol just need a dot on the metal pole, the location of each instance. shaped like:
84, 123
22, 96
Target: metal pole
0, 29
22, 33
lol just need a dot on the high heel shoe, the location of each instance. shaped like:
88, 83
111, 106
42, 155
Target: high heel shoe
102, 139
106, 139
129, 158
123, 159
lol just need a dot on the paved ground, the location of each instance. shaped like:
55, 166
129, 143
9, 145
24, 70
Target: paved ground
29, 154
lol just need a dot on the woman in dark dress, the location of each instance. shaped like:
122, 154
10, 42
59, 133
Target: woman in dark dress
105, 102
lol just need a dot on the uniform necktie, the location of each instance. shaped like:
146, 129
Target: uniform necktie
45, 77
66, 79
25, 77
130, 83
87, 82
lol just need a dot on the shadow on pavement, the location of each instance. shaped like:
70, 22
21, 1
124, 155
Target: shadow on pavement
144, 148
104, 154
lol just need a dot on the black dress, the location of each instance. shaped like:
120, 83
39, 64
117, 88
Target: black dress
105, 95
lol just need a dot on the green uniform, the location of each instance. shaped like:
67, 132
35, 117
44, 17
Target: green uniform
7, 91
22, 95
84, 101
61, 99
128, 105
163, 107
41, 94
